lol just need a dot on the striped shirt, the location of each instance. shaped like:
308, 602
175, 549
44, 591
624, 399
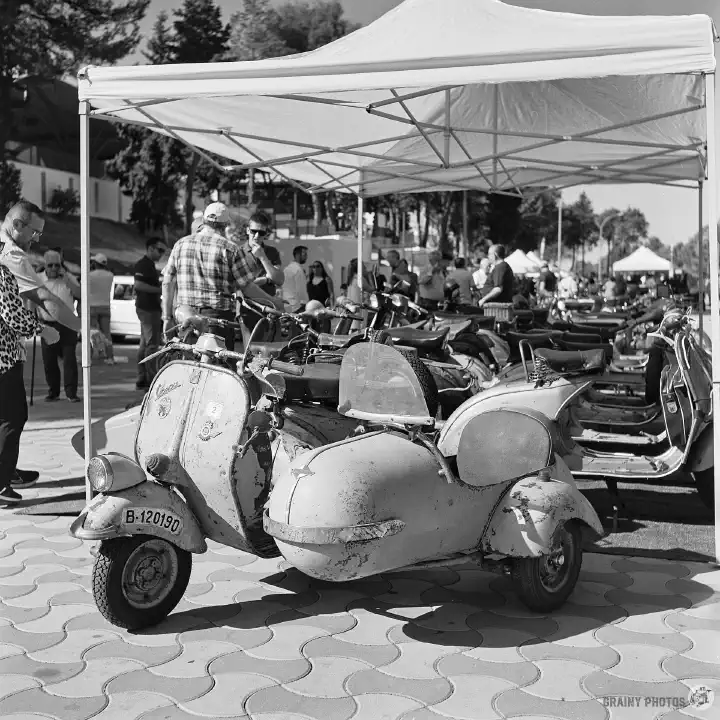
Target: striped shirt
208, 269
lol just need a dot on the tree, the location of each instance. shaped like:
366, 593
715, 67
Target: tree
578, 227
10, 186
54, 37
153, 168
538, 220
304, 26
253, 33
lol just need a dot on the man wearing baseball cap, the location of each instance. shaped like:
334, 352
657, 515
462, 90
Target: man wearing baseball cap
205, 270
100, 281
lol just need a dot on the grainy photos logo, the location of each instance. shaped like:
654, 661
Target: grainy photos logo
700, 698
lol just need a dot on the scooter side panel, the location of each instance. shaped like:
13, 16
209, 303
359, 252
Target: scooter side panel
547, 400
370, 480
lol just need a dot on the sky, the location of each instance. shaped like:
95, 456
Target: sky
671, 212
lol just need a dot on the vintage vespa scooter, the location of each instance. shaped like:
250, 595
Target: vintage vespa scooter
216, 458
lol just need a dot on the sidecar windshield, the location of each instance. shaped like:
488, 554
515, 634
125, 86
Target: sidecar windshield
378, 383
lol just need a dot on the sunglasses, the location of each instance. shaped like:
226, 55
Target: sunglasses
255, 231
316, 267
52, 265
36, 233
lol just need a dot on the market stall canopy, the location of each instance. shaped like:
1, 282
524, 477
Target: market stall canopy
452, 95
520, 263
642, 260
534, 258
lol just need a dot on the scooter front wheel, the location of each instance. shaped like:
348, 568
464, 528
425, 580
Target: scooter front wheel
137, 581
544, 583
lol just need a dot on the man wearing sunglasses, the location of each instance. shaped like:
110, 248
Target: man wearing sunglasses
148, 307
270, 274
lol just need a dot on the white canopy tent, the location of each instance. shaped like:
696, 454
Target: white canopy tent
507, 100
535, 258
520, 263
642, 260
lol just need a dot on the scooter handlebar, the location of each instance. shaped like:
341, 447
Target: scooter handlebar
287, 368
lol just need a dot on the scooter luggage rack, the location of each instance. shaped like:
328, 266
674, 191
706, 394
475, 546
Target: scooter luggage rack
542, 373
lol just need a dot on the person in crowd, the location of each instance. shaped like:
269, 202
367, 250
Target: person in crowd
591, 287
399, 271
148, 307
320, 285
205, 270
16, 323
610, 289
64, 350
547, 284
464, 279
24, 223
620, 286
100, 281
499, 285
568, 286
269, 274
431, 283
480, 275
295, 285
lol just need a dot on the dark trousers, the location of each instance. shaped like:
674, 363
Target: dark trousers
52, 355
150, 342
227, 333
13, 416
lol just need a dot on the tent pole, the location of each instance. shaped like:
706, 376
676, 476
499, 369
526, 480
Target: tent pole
712, 213
85, 284
360, 243
560, 210
466, 237
701, 263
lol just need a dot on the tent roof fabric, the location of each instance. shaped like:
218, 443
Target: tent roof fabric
642, 260
520, 263
510, 98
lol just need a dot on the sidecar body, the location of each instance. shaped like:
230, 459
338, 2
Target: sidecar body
388, 499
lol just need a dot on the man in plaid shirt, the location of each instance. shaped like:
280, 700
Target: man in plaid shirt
205, 269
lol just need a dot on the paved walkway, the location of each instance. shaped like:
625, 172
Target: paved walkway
256, 639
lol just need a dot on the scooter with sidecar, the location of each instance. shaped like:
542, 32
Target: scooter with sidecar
212, 449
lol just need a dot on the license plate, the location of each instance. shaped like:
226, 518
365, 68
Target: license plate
153, 517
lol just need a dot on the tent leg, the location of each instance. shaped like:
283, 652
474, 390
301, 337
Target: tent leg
701, 263
360, 242
712, 213
85, 284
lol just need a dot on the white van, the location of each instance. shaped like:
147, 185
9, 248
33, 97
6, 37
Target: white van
123, 318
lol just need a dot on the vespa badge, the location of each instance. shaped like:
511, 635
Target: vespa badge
206, 431
672, 407
163, 407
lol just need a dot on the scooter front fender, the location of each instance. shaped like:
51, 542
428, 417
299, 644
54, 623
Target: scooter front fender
702, 454
105, 517
524, 522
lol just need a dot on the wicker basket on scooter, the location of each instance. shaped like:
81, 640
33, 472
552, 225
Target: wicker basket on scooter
502, 312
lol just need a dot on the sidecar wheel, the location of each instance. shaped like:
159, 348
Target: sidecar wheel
705, 484
545, 583
138, 581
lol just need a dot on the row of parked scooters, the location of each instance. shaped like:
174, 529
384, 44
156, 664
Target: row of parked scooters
401, 439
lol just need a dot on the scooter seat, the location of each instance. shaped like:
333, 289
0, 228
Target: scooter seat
582, 338
573, 362
479, 320
536, 340
419, 339
319, 381
505, 444
605, 332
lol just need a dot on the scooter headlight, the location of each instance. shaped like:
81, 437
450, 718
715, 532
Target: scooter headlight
114, 472
100, 474
374, 301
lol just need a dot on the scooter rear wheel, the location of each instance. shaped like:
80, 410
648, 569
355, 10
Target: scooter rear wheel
137, 581
544, 583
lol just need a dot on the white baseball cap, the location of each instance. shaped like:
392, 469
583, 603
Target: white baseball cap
100, 259
217, 212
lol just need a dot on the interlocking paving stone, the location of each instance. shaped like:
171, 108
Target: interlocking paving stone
705, 645
428, 692
374, 655
459, 639
21, 616
519, 703
560, 680
173, 712
54, 673
602, 684
72, 646
56, 618
472, 695
617, 634
371, 628
127, 705
241, 637
681, 666
118, 648
276, 698
332, 624
376, 707
418, 661
518, 673
601, 656
12, 684
94, 677
681, 622
29, 642
176, 689
228, 695
286, 642
36, 700
591, 593
194, 659
327, 677
706, 611
647, 565
281, 671
643, 619
642, 663
500, 645
693, 589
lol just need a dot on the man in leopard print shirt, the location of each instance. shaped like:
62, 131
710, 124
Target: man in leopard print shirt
16, 323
